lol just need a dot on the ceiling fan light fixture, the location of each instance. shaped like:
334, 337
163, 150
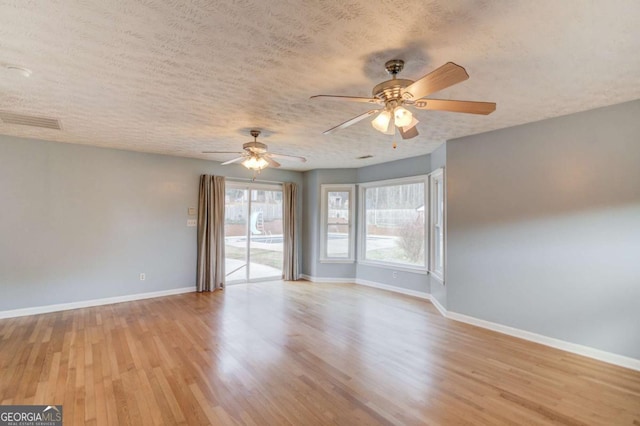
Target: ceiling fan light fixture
381, 122
255, 163
402, 116
411, 125
391, 130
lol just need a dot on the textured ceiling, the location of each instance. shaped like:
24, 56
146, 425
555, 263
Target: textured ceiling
179, 77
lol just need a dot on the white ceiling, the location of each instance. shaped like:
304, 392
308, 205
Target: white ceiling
179, 77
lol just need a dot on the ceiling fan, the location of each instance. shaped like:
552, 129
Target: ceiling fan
396, 94
255, 155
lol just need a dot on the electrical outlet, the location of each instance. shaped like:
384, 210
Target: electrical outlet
395, 274
143, 276
192, 223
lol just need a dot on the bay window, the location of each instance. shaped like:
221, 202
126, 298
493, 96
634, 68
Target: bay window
393, 223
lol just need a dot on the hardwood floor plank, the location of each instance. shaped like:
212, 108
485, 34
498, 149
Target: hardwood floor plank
281, 353
169, 396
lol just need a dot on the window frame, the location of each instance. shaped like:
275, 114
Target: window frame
436, 176
325, 189
362, 215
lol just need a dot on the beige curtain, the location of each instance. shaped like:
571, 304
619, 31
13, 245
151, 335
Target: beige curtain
289, 225
210, 275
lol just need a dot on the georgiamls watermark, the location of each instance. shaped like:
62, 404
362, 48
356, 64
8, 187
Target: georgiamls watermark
30, 415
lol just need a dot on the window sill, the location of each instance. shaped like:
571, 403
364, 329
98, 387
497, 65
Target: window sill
337, 261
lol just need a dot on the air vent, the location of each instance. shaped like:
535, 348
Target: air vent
29, 120
364, 157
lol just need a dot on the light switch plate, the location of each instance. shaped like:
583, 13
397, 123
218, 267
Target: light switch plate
192, 222
192, 211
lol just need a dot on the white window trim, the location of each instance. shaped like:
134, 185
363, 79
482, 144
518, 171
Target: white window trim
362, 224
433, 176
324, 210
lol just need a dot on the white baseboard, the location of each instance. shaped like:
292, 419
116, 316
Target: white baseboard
600, 355
589, 352
374, 284
574, 348
438, 306
95, 302
327, 279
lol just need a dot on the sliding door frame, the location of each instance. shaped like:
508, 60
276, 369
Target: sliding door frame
249, 187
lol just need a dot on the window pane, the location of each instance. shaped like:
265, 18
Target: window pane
437, 223
236, 212
253, 234
395, 223
338, 224
440, 231
438, 201
438, 244
265, 233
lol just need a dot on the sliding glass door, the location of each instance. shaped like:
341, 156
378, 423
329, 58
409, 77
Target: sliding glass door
253, 232
236, 224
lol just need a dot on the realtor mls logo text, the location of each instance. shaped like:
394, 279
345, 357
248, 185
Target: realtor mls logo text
30, 415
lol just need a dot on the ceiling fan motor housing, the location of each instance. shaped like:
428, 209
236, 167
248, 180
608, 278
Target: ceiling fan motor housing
391, 90
255, 147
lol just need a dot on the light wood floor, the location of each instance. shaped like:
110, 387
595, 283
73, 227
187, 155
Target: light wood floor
302, 354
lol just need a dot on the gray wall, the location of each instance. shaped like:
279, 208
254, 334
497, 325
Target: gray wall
413, 166
544, 227
80, 223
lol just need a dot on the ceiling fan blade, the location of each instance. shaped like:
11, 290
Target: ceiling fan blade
351, 121
443, 77
468, 107
347, 98
271, 161
288, 157
408, 133
235, 160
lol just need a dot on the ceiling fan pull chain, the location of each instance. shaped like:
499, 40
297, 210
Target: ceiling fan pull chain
393, 139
